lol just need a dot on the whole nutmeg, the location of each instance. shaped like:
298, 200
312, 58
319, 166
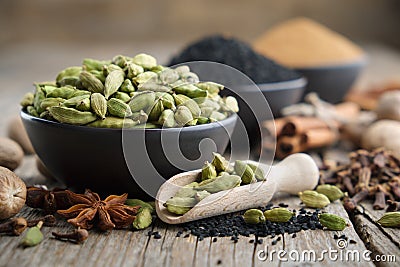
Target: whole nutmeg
17, 132
12, 193
388, 106
11, 154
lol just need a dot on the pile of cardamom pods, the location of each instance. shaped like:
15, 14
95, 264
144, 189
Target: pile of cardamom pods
215, 177
128, 92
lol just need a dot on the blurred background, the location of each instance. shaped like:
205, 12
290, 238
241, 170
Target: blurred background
40, 37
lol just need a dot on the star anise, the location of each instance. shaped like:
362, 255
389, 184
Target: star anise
89, 210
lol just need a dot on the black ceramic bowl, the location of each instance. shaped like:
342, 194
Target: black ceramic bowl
332, 83
101, 159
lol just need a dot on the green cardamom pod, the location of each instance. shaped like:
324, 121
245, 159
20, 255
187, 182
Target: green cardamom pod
99, 75
84, 105
278, 215
230, 104
80, 93
259, 173
134, 70
192, 122
46, 115
202, 120
180, 205
90, 82
211, 87
153, 86
156, 110
219, 162
206, 112
61, 92
74, 101
183, 115
218, 116
113, 82
107, 69
190, 77
127, 86
89, 64
168, 76
158, 68
187, 190
331, 191
145, 77
199, 196
390, 219
98, 103
182, 69
167, 119
332, 221
144, 60
143, 219
124, 97
167, 99
113, 122
121, 60
210, 103
140, 116
118, 108
51, 102
313, 199
137, 202
33, 236
193, 107
190, 91
39, 96
245, 172
208, 171
142, 101
71, 115
225, 182
254, 216
27, 100
180, 99
68, 76
32, 111
147, 125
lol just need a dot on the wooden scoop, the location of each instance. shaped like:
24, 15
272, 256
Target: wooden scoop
296, 173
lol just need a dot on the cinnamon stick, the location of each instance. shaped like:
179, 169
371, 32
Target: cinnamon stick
300, 125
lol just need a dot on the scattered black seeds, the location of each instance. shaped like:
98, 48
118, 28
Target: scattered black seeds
157, 236
335, 236
352, 241
342, 237
214, 239
260, 241
278, 239
235, 241
219, 262
251, 241
274, 242
283, 205
237, 54
294, 235
187, 235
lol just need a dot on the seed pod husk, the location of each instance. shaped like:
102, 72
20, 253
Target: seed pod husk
259, 173
113, 82
84, 105
313, 199
140, 116
68, 76
219, 162
89, 64
33, 236
27, 100
253, 216
199, 196
98, 104
118, 108
167, 118
180, 205
144, 60
71, 115
278, 215
142, 101
156, 110
225, 182
190, 91
208, 171
114, 122
245, 172
90, 82
331, 191
127, 86
32, 111
51, 102
143, 219
183, 115
332, 221
211, 87
390, 219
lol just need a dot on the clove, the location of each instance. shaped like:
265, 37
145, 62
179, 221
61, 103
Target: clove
14, 227
393, 206
350, 204
380, 195
77, 236
48, 220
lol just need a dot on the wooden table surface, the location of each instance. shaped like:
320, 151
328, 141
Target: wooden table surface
135, 248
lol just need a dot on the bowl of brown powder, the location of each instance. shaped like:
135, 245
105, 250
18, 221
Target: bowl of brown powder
329, 61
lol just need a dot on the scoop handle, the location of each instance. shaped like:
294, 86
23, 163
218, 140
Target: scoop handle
296, 173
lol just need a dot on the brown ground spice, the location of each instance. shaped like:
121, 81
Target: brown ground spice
302, 42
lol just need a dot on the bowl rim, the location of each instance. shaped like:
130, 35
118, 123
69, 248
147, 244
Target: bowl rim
359, 62
231, 119
277, 86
